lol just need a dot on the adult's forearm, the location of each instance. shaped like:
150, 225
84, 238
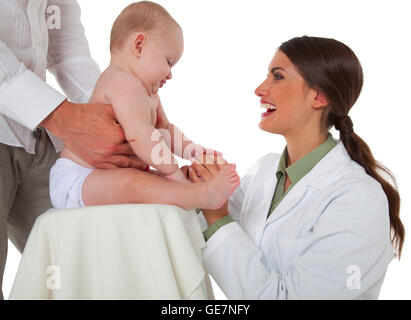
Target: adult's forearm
237, 265
25, 97
212, 216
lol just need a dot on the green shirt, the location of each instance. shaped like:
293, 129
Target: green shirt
296, 172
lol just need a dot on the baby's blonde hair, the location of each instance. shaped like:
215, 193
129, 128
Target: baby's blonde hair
141, 16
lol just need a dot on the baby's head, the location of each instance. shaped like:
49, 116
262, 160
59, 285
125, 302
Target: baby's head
149, 40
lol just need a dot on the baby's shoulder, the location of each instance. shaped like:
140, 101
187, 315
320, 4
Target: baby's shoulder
120, 82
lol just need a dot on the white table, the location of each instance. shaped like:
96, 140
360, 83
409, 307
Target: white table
114, 252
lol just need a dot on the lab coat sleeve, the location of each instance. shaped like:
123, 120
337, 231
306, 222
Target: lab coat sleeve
69, 58
346, 254
235, 203
24, 96
236, 200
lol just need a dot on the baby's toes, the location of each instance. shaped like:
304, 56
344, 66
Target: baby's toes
229, 169
232, 174
234, 185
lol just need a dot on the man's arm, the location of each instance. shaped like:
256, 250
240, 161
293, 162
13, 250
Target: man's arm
24, 97
69, 58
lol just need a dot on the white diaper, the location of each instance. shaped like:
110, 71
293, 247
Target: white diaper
66, 181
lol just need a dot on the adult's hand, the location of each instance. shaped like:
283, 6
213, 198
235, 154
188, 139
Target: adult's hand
92, 132
203, 172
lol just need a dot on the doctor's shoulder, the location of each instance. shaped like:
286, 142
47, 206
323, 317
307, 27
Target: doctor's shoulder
354, 188
357, 175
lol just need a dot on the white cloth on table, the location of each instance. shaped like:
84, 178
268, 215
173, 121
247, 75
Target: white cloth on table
114, 252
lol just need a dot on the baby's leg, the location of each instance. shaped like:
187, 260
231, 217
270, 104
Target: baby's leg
115, 186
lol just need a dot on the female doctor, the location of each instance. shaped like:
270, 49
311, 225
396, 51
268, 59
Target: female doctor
318, 221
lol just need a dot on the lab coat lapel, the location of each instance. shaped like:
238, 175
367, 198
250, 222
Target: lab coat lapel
318, 178
257, 208
291, 199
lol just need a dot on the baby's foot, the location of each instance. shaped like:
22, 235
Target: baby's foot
220, 187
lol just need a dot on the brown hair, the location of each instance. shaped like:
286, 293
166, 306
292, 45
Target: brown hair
333, 69
141, 16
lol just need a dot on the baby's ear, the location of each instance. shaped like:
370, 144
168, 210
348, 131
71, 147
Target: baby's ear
138, 43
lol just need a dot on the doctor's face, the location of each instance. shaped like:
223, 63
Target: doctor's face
285, 98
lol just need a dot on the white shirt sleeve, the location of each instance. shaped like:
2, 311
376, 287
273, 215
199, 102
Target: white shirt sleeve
351, 236
24, 97
28, 99
69, 58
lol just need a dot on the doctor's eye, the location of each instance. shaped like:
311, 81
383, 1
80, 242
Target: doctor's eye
278, 76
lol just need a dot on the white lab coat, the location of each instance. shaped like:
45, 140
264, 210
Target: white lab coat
329, 238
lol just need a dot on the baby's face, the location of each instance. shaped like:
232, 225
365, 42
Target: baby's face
158, 55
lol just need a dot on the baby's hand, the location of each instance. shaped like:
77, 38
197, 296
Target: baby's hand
199, 149
177, 176
207, 156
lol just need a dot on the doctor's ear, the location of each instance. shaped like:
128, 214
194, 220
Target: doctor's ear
319, 101
139, 41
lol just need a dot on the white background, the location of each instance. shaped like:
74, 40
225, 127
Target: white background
228, 46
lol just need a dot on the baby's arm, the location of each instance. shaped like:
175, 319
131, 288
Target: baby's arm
132, 108
179, 144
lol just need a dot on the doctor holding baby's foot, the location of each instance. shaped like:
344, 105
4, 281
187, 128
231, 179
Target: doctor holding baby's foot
317, 221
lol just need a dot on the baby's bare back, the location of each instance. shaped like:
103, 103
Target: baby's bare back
97, 97
106, 87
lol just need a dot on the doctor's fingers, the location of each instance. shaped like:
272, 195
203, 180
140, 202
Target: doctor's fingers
192, 175
212, 168
202, 171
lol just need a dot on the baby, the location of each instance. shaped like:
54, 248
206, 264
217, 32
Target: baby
146, 42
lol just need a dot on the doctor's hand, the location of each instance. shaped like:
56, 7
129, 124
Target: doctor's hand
92, 132
198, 173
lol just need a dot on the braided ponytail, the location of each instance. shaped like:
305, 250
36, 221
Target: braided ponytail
332, 68
361, 153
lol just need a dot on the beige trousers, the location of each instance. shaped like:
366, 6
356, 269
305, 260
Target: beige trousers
24, 191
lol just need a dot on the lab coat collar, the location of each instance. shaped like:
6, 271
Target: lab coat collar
319, 178
328, 168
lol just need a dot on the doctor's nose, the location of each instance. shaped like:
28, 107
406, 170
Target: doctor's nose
261, 90
169, 76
